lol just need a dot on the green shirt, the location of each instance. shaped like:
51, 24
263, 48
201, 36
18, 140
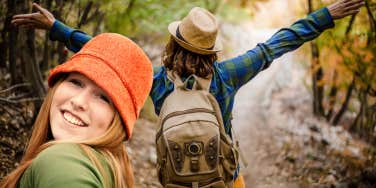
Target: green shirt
64, 165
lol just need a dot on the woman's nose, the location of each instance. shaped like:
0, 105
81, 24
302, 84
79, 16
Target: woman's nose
80, 101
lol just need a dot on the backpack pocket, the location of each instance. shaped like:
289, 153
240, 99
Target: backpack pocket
230, 156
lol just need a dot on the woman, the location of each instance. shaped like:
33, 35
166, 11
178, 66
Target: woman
88, 113
192, 50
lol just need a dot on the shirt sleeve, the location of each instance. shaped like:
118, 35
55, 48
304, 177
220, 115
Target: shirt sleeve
241, 69
60, 166
72, 38
161, 88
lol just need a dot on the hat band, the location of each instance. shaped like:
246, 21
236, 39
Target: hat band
182, 38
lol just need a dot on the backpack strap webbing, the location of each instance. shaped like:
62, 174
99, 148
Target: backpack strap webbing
199, 83
175, 78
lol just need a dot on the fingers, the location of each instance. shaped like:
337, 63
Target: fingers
353, 7
25, 24
343, 8
19, 21
23, 18
357, 4
42, 19
352, 2
39, 8
29, 21
27, 16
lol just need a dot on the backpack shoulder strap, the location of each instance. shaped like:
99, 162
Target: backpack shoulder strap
175, 78
202, 83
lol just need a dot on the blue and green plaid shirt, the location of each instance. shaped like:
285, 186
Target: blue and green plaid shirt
229, 75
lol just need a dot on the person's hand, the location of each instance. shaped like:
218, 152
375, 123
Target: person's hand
43, 19
343, 8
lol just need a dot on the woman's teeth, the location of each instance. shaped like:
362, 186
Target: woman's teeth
71, 119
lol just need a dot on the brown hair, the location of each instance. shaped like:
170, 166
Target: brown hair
185, 62
111, 145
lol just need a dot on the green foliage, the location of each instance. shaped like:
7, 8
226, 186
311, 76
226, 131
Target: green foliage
144, 18
233, 13
148, 17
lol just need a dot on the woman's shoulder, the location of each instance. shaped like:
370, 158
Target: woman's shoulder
60, 150
62, 165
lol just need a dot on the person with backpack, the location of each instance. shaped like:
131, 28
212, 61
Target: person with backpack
189, 72
88, 113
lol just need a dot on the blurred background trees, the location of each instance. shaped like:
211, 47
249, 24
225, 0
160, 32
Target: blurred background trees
343, 68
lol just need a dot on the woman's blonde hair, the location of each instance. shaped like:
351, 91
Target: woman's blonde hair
111, 145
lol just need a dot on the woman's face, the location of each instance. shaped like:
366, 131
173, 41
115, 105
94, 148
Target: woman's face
80, 110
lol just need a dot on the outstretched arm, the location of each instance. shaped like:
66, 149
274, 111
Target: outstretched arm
43, 19
239, 70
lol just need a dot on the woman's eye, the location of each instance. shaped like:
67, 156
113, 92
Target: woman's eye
76, 82
104, 98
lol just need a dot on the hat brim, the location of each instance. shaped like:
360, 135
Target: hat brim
108, 81
172, 27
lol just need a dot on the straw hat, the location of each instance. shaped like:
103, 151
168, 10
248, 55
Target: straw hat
197, 32
118, 66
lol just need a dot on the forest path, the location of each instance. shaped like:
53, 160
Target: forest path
257, 135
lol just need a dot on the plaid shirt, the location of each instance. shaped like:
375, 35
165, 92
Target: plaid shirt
229, 75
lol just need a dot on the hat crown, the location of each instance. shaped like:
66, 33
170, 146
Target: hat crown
199, 28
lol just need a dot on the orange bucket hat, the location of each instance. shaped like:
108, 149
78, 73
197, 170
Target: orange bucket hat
117, 65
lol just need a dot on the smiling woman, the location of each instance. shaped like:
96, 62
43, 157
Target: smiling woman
89, 111
80, 110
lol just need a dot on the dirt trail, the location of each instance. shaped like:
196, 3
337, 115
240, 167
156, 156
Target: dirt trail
258, 138
251, 109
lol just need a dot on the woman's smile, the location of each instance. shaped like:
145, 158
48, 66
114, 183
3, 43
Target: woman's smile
72, 119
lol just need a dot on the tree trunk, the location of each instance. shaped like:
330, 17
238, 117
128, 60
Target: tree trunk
84, 16
332, 96
345, 103
97, 28
337, 117
317, 74
32, 67
12, 37
372, 37
4, 38
46, 47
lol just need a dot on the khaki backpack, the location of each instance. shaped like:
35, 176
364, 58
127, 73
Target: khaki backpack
193, 149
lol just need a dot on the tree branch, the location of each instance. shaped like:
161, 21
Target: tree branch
14, 87
5, 100
85, 14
